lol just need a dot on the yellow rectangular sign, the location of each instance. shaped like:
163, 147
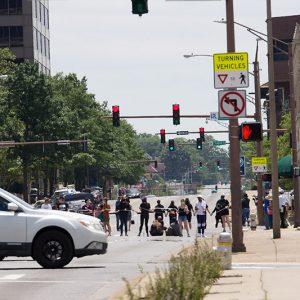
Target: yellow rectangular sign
259, 161
231, 62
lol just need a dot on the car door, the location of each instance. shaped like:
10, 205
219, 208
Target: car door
12, 227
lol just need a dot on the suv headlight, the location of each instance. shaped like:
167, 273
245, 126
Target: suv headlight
90, 225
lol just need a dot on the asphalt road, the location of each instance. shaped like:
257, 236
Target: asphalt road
101, 277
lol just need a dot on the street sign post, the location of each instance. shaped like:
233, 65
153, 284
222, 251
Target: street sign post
232, 104
231, 70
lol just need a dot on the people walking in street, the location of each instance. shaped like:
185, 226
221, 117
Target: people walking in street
283, 208
88, 207
123, 214
117, 214
129, 214
200, 209
265, 206
224, 211
172, 212
245, 209
159, 210
144, 209
46, 204
183, 211
106, 210
191, 211
218, 216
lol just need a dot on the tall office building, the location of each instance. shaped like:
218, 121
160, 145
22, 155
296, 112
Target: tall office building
24, 28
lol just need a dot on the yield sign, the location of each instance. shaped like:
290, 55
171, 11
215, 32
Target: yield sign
232, 104
222, 77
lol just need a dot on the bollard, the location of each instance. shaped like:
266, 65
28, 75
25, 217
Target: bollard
253, 222
225, 249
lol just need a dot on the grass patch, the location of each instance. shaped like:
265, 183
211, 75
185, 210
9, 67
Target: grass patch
187, 276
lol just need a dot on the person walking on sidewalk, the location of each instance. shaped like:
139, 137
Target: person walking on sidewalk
224, 211
200, 209
218, 216
266, 216
270, 210
144, 209
245, 209
282, 208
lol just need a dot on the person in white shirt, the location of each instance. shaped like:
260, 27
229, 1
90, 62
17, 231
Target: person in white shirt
282, 208
200, 210
46, 204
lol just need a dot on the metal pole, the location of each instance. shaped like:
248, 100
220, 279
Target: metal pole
235, 187
273, 133
293, 108
259, 144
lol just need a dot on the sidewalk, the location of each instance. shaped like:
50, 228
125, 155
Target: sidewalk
268, 270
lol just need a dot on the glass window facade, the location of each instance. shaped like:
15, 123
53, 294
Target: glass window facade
11, 7
11, 36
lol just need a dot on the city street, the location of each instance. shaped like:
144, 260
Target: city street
101, 277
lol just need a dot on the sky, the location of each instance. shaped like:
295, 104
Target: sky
137, 62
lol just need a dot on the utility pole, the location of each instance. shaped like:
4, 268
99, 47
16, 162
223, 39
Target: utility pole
293, 107
259, 144
235, 187
273, 133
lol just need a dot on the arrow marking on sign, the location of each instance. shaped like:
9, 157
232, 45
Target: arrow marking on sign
233, 102
222, 77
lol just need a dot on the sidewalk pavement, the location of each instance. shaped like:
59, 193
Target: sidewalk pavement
268, 270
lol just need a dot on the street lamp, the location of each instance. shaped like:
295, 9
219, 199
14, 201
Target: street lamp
193, 55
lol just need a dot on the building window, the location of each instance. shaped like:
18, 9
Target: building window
47, 18
4, 36
16, 36
11, 36
36, 8
40, 12
48, 42
277, 47
3, 7
15, 7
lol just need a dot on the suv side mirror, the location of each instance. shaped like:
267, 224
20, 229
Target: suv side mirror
12, 207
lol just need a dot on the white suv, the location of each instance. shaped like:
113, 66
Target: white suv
51, 237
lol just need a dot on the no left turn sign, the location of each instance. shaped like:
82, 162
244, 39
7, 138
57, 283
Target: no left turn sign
232, 104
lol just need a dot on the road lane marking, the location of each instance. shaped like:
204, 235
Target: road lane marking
12, 277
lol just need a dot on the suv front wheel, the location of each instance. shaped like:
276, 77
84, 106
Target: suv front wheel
53, 249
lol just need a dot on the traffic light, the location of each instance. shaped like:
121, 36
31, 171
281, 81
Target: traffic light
171, 145
218, 164
201, 130
176, 114
116, 115
162, 136
139, 7
199, 143
200, 164
251, 131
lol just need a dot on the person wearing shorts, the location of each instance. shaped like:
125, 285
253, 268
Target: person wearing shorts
182, 217
106, 210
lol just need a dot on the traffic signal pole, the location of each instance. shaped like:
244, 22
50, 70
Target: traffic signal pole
235, 186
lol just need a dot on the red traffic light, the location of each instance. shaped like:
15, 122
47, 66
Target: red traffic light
176, 114
162, 136
115, 109
201, 130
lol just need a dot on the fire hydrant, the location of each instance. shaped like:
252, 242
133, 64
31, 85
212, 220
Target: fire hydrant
225, 249
253, 222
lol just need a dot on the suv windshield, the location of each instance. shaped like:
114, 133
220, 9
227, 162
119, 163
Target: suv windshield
19, 200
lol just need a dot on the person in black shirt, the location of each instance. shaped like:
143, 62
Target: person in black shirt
159, 210
172, 211
245, 209
124, 207
117, 213
218, 212
224, 211
191, 210
144, 209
